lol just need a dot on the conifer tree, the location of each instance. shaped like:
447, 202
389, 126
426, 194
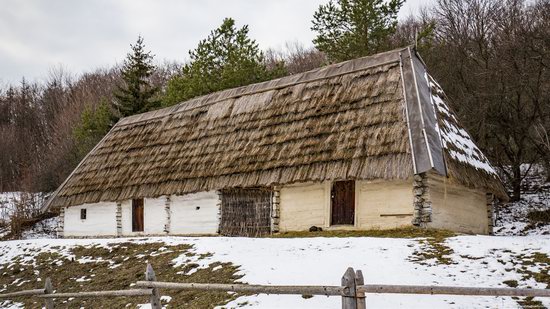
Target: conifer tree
227, 58
348, 29
94, 124
136, 94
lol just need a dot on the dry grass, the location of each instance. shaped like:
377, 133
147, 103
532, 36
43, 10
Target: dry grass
129, 262
407, 232
539, 216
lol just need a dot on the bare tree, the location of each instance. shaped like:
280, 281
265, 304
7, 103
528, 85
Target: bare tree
492, 58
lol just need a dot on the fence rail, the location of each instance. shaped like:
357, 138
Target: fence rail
352, 291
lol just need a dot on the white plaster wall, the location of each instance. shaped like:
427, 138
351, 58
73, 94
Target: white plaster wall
195, 213
456, 207
383, 204
154, 217
126, 218
303, 206
100, 220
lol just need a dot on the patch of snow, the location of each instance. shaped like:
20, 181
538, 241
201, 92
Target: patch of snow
511, 219
165, 298
457, 142
83, 279
44, 229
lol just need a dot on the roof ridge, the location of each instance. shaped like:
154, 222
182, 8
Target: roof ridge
337, 69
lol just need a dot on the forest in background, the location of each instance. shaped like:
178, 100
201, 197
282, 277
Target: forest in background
491, 57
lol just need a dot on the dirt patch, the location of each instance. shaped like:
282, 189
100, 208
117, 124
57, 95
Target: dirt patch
114, 267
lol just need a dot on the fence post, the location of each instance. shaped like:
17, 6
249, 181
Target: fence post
48, 289
348, 296
361, 297
155, 297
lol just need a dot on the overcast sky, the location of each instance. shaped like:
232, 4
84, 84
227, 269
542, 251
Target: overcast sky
36, 35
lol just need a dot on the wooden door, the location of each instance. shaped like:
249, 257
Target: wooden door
342, 198
137, 215
246, 212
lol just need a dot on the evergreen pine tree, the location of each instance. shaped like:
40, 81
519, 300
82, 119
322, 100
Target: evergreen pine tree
348, 29
227, 58
137, 95
94, 124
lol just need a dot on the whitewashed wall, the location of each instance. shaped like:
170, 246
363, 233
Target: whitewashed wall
378, 205
154, 217
100, 220
303, 206
457, 208
383, 204
195, 213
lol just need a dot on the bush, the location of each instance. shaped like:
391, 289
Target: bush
539, 216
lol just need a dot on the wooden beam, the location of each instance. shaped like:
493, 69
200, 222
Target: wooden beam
92, 294
245, 288
451, 290
23, 293
349, 296
48, 290
360, 295
155, 296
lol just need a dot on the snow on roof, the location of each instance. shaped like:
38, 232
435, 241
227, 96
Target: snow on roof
456, 141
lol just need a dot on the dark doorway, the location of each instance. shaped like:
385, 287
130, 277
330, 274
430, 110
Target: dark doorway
246, 212
137, 215
342, 198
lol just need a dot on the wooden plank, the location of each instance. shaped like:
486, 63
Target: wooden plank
361, 299
343, 202
92, 294
348, 297
452, 290
245, 288
23, 293
155, 297
48, 290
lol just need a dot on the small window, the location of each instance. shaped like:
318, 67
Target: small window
83, 214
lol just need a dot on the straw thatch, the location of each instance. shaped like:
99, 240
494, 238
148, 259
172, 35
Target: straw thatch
346, 126
344, 121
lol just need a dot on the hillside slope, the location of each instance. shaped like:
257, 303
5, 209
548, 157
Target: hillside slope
89, 264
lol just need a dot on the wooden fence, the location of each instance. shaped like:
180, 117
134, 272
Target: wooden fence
352, 291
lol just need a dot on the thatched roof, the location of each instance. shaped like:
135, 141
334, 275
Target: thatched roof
343, 121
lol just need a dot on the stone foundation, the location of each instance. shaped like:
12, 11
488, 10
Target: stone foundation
118, 219
422, 202
275, 210
491, 202
167, 203
61, 222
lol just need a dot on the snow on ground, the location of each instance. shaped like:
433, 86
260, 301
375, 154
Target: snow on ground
7, 205
481, 261
512, 219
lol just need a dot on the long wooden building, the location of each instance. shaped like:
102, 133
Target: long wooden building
364, 144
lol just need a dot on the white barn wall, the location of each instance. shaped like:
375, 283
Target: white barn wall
456, 207
195, 213
383, 204
154, 217
303, 206
100, 220
126, 220
378, 205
